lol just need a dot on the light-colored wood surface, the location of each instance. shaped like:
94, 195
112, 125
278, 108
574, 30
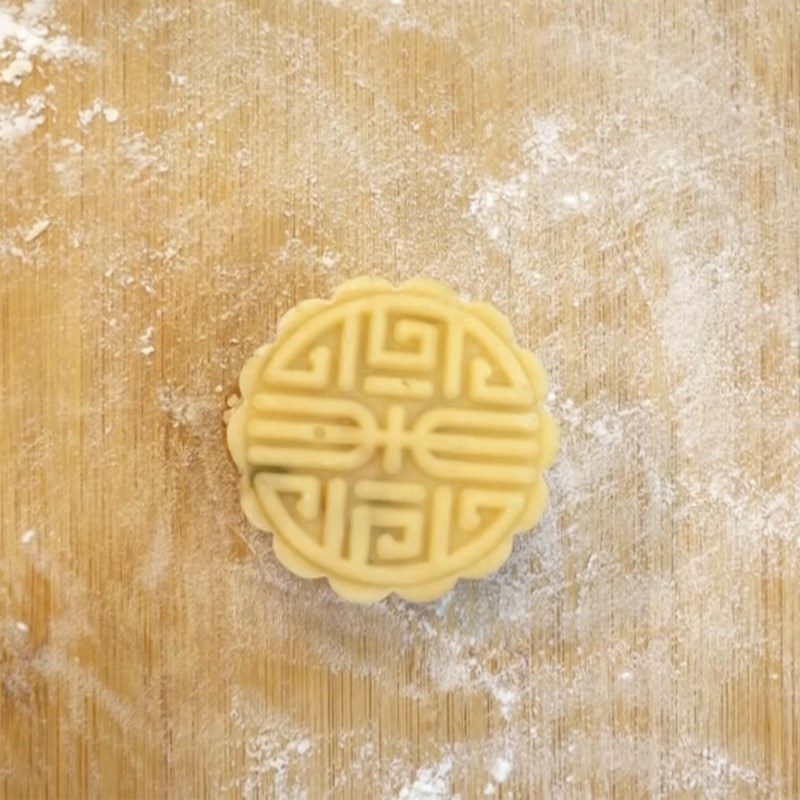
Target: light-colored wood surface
620, 178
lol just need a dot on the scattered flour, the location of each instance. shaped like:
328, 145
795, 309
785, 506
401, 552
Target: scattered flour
146, 342
30, 39
18, 120
430, 783
500, 770
276, 754
97, 108
17, 69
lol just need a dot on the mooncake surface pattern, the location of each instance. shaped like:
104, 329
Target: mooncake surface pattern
392, 439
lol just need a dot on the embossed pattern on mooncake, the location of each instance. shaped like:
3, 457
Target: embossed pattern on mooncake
392, 439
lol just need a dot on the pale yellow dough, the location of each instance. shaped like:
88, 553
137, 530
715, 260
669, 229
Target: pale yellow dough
392, 439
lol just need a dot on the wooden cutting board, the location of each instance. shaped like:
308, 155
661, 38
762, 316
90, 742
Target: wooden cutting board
619, 178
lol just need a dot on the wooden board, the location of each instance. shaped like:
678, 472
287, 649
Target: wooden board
620, 178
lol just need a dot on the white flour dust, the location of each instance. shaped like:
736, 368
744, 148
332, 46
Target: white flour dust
97, 109
31, 38
641, 233
429, 783
277, 753
20, 119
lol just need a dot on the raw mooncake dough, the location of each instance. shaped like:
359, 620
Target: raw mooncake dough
392, 439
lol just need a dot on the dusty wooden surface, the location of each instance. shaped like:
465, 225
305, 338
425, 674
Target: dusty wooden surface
620, 178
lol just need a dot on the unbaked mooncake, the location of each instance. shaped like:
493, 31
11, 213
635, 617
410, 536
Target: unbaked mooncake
392, 439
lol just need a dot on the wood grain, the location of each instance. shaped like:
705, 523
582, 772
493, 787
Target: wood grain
620, 178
